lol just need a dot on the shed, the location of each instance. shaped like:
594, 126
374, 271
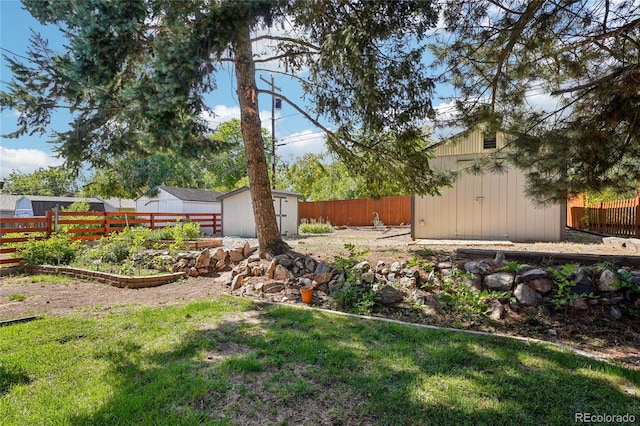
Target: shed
119, 205
171, 199
237, 213
490, 206
8, 205
38, 205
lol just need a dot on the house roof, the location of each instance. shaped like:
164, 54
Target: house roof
246, 188
61, 199
8, 202
188, 194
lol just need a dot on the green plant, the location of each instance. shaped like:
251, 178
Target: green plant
414, 261
313, 226
564, 292
354, 256
18, 297
58, 249
513, 266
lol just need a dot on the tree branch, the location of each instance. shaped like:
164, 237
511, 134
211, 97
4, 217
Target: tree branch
287, 39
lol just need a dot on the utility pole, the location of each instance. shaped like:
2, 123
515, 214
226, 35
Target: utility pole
273, 128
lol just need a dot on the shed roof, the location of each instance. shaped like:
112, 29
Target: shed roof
188, 194
121, 203
246, 188
8, 202
61, 199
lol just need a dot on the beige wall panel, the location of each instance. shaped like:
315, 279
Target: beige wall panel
237, 216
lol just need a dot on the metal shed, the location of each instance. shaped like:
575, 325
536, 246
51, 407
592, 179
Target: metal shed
490, 206
237, 213
38, 205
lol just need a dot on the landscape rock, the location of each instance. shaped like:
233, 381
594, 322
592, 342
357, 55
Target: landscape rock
237, 282
496, 310
281, 273
219, 254
605, 281
579, 304
541, 285
387, 295
273, 287
527, 296
615, 312
481, 267
500, 281
236, 255
203, 259
584, 284
534, 274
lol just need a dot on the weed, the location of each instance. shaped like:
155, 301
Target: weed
18, 297
513, 266
313, 226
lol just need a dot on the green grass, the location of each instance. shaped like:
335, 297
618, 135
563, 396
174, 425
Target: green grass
18, 297
230, 361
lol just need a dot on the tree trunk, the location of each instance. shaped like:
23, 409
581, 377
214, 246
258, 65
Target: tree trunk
257, 170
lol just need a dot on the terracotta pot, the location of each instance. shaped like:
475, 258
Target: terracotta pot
307, 295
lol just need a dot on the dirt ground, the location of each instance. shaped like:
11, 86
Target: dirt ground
23, 296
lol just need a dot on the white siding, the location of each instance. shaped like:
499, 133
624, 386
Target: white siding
237, 216
238, 219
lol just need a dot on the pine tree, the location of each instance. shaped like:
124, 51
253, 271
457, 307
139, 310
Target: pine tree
134, 74
584, 55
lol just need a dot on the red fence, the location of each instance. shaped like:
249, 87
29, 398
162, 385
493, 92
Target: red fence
88, 226
359, 212
620, 217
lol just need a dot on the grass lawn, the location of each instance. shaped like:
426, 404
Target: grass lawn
231, 361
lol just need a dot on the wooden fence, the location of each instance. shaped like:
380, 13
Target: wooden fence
620, 217
87, 226
359, 212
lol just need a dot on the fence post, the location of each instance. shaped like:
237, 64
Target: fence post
49, 222
107, 224
152, 221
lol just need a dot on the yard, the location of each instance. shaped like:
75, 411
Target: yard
184, 353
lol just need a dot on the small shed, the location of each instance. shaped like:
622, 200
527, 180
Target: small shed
119, 205
38, 205
171, 199
490, 206
237, 213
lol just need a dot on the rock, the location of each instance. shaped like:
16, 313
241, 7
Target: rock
579, 304
273, 287
541, 285
444, 265
584, 285
362, 266
499, 257
552, 332
408, 282
259, 286
322, 268
247, 250
271, 269
237, 282
500, 281
236, 255
193, 272
253, 258
395, 267
219, 254
323, 278
384, 271
481, 267
203, 259
526, 295
305, 282
534, 274
387, 295
475, 282
369, 276
615, 312
605, 281
497, 310
281, 273
310, 264
380, 266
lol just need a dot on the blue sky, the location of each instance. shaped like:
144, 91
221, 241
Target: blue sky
296, 135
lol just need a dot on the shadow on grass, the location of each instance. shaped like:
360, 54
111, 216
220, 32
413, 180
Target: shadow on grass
10, 376
263, 368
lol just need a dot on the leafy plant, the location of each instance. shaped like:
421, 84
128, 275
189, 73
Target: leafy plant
313, 226
354, 256
58, 249
513, 266
18, 297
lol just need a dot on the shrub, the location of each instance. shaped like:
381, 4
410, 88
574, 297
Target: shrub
314, 226
55, 250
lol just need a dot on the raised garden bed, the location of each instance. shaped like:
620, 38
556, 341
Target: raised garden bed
121, 281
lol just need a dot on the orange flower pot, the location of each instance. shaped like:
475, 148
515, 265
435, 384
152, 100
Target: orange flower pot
307, 295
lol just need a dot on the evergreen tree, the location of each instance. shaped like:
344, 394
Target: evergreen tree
581, 55
134, 74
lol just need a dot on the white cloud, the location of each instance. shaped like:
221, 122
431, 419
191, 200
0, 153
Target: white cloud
223, 113
25, 160
298, 144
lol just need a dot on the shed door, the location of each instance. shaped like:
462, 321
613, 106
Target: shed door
482, 206
280, 205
